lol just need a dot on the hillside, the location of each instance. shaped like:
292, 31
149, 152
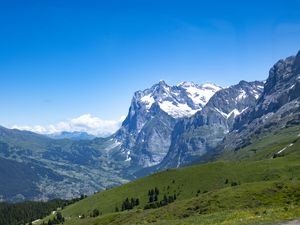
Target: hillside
217, 187
36, 167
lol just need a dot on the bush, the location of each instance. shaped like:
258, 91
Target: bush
95, 213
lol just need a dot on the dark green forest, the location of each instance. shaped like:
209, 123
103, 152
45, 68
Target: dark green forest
25, 212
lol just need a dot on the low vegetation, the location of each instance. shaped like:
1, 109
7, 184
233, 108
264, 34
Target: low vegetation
250, 189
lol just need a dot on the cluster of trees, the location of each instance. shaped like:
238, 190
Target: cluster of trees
129, 204
95, 213
233, 183
58, 219
25, 212
153, 195
165, 201
153, 201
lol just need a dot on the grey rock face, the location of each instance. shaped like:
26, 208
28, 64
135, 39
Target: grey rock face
145, 135
277, 107
281, 87
197, 135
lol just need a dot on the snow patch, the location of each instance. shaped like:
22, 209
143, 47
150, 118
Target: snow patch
282, 150
177, 111
234, 112
241, 96
148, 100
255, 93
222, 113
290, 145
292, 86
199, 94
128, 158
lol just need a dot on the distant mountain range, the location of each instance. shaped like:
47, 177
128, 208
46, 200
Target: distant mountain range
166, 127
76, 135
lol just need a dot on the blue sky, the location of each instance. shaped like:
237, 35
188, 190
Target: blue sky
61, 59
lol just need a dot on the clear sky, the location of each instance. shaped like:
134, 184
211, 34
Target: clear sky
60, 59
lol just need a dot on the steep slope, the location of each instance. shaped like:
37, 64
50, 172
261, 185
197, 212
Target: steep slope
145, 135
193, 137
279, 105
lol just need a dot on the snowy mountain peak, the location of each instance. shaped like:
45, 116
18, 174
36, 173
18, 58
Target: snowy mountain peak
182, 100
199, 94
186, 84
211, 86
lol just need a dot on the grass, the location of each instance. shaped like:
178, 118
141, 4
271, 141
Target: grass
264, 147
267, 190
255, 203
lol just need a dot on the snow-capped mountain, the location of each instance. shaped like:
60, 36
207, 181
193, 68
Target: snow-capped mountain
182, 100
193, 137
145, 135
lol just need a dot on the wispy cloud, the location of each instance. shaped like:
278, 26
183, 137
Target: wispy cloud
84, 123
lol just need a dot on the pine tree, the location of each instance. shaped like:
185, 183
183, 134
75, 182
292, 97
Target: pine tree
156, 191
151, 198
132, 203
137, 202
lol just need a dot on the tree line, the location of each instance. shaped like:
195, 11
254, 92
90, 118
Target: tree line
28, 211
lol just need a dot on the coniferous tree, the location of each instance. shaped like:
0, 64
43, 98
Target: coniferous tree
151, 198
137, 202
96, 213
156, 191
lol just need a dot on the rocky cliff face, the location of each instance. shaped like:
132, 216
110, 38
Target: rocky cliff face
278, 106
145, 135
193, 137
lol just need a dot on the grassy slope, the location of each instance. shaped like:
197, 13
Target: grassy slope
266, 146
251, 202
254, 177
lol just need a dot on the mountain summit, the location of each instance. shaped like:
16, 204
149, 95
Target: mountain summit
182, 100
145, 134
